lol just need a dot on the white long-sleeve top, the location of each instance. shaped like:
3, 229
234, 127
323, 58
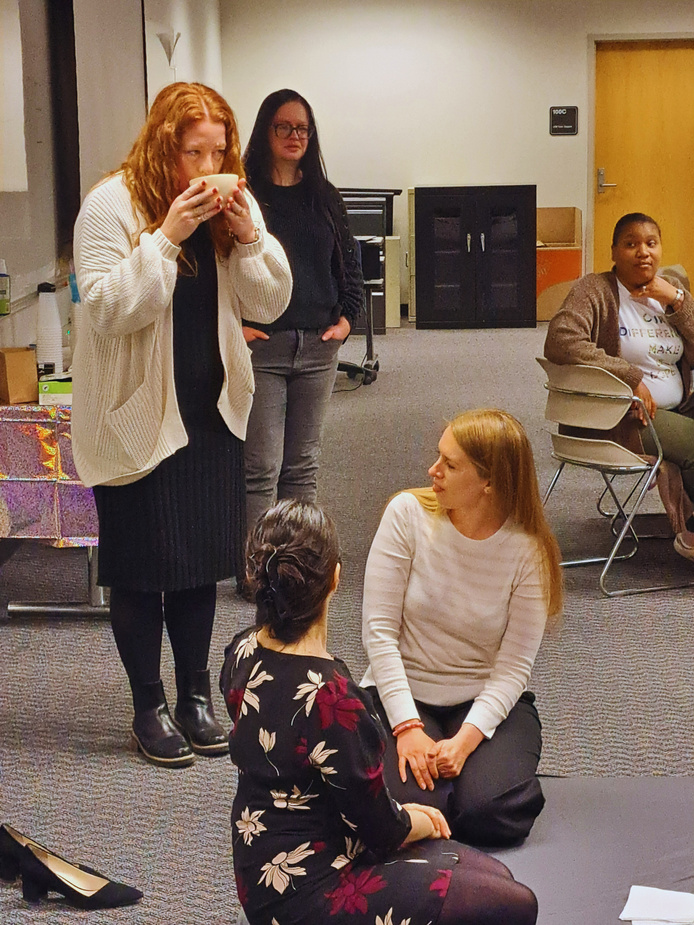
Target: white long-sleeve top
447, 619
125, 417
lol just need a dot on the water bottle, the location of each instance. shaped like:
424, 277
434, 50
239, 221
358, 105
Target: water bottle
49, 330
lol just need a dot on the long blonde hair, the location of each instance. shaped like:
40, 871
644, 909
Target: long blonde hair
150, 170
498, 447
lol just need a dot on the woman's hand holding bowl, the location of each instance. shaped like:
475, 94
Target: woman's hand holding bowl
238, 215
414, 748
196, 204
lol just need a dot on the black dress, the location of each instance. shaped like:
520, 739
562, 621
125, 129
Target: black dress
315, 832
183, 525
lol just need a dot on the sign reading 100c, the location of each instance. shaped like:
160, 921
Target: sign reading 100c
563, 120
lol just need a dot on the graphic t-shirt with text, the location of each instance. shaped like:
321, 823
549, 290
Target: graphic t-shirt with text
647, 340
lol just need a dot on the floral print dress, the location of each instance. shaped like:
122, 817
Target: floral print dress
316, 834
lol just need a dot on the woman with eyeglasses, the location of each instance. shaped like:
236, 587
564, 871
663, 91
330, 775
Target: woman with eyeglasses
295, 357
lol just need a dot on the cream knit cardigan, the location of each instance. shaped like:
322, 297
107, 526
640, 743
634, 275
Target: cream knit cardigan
125, 417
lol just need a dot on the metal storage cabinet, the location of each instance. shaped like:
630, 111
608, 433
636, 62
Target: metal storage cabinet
474, 256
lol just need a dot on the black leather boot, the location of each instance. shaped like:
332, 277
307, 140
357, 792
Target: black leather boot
194, 714
154, 732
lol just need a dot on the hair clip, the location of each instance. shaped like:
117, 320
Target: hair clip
272, 594
272, 574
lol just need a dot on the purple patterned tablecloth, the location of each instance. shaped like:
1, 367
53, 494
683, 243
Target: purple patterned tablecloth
41, 496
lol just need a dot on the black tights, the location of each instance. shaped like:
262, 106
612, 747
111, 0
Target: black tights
137, 619
483, 892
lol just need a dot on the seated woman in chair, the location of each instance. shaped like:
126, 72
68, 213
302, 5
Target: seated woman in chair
640, 327
317, 836
459, 583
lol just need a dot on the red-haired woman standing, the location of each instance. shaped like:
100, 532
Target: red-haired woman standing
163, 386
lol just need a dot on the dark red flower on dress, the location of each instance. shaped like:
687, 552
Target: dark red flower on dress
335, 707
318, 846
234, 701
352, 890
375, 776
441, 884
241, 890
301, 748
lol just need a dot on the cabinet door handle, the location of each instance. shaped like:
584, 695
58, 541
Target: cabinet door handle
469, 242
482, 241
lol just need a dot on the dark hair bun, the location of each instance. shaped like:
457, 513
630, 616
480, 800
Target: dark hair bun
292, 554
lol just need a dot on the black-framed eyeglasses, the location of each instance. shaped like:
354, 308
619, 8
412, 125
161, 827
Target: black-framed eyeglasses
285, 130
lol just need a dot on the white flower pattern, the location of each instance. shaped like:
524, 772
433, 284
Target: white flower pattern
318, 756
279, 871
249, 824
297, 800
352, 849
247, 646
388, 920
309, 690
267, 743
256, 678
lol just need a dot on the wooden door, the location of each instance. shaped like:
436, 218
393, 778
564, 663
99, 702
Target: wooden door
644, 142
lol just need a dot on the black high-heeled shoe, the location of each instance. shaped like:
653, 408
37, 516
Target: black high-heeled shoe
13, 846
43, 871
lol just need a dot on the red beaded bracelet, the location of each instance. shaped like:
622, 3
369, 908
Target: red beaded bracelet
407, 724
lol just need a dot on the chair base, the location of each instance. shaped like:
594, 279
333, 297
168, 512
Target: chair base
629, 521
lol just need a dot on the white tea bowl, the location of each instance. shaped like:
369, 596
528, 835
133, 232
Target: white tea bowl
226, 183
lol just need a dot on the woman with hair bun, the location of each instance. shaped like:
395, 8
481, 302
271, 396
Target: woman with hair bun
163, 388
460, 581
317, 837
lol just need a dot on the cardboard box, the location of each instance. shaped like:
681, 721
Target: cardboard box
559, 226
55, 392
18, 377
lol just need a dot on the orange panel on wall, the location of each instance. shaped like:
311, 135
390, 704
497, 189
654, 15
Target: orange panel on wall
555, 265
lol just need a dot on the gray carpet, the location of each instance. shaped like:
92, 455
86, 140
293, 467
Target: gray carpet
613, 682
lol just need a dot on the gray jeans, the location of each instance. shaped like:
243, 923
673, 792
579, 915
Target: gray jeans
294, 376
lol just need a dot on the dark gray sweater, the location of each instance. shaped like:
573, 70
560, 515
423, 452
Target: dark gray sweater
325, 266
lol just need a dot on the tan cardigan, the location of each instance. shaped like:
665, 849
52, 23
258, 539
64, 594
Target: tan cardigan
586, 330
125, 417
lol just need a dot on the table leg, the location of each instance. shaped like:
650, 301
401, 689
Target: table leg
97, 605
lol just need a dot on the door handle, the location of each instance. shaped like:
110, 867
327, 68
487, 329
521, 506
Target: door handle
469, 241
602, 186
482, 241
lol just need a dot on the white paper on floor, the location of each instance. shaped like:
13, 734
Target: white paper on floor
647, 904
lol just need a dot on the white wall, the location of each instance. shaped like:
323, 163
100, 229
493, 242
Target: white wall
110, 83
448, 92
112, 104
27, 219
197, 55
13, 164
